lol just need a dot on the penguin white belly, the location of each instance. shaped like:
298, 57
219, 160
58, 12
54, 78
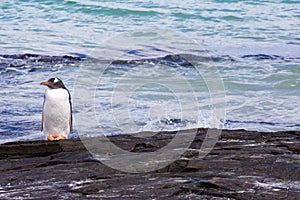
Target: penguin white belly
56, 113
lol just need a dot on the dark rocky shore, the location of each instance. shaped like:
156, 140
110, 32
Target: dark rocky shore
242, 165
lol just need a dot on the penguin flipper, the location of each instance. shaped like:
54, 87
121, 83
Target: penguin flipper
70, 117
42, 121
70, 121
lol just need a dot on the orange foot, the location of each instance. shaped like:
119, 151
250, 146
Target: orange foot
56, 137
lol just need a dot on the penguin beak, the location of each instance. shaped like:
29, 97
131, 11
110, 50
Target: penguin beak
45, 83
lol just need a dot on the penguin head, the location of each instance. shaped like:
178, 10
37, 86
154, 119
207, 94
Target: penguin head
54, 83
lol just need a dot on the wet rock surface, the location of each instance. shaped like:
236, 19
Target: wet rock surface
242, 165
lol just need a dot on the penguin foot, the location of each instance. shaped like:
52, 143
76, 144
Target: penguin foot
56, 137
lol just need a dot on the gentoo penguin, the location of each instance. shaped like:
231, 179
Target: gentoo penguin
57, 110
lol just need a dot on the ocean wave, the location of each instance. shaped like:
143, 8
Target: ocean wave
15, 61
31, 62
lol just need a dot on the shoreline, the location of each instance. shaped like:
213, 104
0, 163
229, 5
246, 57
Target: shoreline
242, 165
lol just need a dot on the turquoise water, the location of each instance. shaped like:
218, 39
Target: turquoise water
253, 44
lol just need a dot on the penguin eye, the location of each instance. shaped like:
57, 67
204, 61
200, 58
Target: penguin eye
52, 80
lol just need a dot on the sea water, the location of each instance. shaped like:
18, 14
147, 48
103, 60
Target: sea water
147, 64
